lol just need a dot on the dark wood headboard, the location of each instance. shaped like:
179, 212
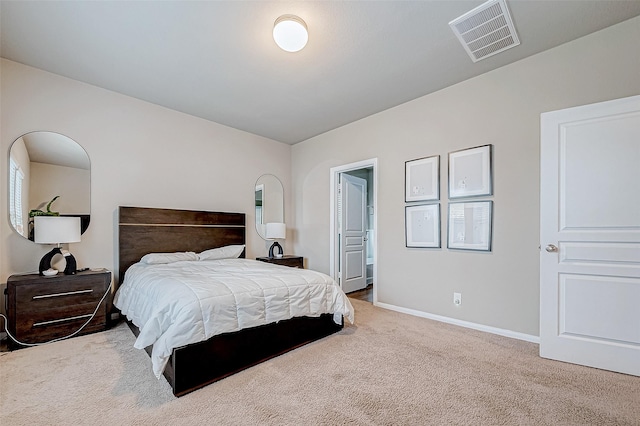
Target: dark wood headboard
145, 230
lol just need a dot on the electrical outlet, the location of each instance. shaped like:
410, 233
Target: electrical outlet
457, 299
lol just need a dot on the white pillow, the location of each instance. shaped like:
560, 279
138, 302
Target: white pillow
226, 252
158, 258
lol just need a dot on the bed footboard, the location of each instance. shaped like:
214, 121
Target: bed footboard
194, 366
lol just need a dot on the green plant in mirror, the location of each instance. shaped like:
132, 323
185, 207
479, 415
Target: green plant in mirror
35, 212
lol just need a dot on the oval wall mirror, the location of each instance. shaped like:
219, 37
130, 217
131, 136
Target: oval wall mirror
49, 174
269, 201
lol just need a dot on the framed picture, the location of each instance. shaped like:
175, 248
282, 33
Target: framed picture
469, 225
421, 179
422, 225
470, 172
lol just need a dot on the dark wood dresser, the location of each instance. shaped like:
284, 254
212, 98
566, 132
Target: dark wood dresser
44, 308
286, 260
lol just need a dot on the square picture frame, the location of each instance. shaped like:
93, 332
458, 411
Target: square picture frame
470, 172
422, 179
422, 225
469, 225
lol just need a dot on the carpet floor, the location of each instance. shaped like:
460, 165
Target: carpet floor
388, 369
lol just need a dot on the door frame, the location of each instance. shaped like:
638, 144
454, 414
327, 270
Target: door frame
333, 227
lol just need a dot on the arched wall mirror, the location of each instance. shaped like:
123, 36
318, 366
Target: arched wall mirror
43, 166
269, 201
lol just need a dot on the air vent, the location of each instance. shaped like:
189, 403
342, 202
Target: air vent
486, 30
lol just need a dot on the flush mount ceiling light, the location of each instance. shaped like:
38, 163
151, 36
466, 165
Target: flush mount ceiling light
290, 33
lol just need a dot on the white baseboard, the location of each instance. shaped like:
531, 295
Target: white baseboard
461, 323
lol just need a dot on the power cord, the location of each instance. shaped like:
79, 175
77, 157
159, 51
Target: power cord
6, 325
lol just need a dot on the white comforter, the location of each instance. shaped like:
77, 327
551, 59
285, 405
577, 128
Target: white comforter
186, 302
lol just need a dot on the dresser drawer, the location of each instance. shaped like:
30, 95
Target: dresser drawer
45, 328
46, 295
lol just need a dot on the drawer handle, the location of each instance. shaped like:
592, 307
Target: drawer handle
39, 324
69, 293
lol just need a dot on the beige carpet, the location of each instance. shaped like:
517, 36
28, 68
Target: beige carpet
389, 369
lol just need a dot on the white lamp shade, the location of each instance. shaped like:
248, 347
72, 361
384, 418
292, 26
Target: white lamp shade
56, 229
275, 231
290, 33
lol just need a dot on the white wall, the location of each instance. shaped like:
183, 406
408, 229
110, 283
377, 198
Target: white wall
499, 289
141, 155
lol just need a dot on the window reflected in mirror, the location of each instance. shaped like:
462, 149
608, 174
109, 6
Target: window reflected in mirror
259, 198
49, 174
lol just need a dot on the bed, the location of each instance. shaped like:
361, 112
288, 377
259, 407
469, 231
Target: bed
196, 364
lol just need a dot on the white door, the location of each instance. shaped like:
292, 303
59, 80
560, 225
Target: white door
590, 235
352, 207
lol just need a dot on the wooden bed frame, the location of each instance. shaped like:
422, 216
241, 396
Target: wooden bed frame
149, 230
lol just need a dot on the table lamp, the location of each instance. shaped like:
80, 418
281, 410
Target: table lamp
57, 230
275, 231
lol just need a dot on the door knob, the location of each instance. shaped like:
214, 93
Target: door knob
551, 248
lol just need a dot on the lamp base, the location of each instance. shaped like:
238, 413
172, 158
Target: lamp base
273, 247
45, 262
72, 266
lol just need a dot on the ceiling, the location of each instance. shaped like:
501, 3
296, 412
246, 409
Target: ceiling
217, 59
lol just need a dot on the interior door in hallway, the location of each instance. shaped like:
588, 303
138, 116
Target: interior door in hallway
352, 206
590, 235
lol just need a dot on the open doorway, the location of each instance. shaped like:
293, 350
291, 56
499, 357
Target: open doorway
353, 242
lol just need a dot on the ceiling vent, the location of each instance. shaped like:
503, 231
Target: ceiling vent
486, 30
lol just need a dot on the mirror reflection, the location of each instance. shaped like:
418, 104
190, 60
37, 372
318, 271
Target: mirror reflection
269, 202
49, 174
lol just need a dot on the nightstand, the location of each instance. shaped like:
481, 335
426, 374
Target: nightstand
44, 308
286, 260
